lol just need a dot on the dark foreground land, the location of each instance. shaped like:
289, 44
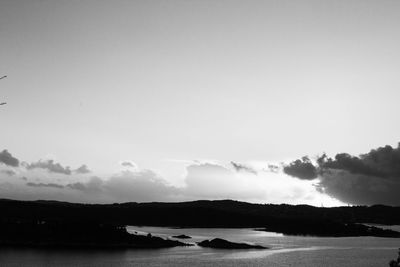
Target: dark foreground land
52, 223
56, 234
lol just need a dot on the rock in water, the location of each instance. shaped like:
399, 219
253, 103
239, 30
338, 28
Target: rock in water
225, 244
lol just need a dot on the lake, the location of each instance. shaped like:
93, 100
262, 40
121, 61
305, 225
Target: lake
285, 251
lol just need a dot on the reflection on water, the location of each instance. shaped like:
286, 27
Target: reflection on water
285, 251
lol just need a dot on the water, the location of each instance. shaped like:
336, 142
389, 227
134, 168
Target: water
285, 251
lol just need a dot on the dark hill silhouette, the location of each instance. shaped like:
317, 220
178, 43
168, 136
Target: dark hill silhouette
55, 234
287, 219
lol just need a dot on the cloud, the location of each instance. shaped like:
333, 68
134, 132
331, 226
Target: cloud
273, 168
7, 159
201, 180
302, 169
78, 186
382, 162
359, 189
8, 172
371, 178
128, 186
241, 167
213, 181
50, 166
129, 164
45, 185
367, 179
82, 169
143, 185
93, 185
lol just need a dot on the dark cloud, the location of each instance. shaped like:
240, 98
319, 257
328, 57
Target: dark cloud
241, 167
382, 162
273, 168
45, 185
302, 169
77, 186
7, 159
359, 189
8, 172
129, 186
82, 169
93, 185
49, 165
128, 164
371, 178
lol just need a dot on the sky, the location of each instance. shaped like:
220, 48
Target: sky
182, 100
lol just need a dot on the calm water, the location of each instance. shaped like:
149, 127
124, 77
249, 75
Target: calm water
285, 251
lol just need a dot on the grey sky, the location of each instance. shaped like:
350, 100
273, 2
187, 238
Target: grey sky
100, 82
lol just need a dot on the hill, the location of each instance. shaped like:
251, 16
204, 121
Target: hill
287, 219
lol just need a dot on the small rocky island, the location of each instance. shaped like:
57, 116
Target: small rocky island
182, 236
225, 244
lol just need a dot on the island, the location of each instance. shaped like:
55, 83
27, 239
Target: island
225, 244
